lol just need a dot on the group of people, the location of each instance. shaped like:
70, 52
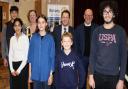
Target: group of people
65, 57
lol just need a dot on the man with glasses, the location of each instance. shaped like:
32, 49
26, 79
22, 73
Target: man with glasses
108, 56
83, 35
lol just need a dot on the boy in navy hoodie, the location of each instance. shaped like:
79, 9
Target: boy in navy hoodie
69, 72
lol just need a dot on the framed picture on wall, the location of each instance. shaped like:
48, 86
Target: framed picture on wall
54, 14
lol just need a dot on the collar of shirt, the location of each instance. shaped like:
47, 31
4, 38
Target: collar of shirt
20, 35
67, 29
87, 24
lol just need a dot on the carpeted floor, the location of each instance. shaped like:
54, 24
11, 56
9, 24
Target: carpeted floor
4, 77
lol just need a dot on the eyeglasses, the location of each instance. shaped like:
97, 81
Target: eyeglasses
107, 12
88, 15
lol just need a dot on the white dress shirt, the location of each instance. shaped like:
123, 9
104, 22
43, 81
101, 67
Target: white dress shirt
67, 29
18, 51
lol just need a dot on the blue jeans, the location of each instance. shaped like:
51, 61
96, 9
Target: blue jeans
41, 85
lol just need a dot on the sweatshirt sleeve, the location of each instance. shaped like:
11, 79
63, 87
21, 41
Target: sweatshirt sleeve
11, 55
123, 55
93, 51
26, 46
4, 42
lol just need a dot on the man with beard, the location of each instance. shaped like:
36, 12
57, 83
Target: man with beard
108, 55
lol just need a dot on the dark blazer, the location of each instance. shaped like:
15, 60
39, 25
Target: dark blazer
57, 36
80, 38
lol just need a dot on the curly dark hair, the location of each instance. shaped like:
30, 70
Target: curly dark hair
18, 20
109, 3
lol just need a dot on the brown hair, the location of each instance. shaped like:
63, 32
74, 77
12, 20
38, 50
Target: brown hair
30, 12
45, 18
65, 11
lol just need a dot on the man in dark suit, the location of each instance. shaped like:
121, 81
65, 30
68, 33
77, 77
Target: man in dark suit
64, 27
83, 35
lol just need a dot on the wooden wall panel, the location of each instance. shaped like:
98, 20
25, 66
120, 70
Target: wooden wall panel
5, 11
5, 7
38, 6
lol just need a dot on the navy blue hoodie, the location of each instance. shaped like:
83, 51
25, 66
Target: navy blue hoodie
69, 71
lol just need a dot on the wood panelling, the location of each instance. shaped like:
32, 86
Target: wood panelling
38, 6
5, 7
5, 13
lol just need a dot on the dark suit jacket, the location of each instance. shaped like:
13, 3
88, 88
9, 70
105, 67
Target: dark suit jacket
57, 36
80, 38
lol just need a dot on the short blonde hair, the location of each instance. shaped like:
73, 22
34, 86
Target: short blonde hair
67, 34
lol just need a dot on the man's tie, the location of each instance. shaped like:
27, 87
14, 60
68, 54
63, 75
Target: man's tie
65, 30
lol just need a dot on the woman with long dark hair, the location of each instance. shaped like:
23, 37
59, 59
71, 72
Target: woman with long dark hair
18, 52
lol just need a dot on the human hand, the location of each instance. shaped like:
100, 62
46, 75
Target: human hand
50, 80
5, 62
120, 84
91, 81
17, 73
29, 80
13, 73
